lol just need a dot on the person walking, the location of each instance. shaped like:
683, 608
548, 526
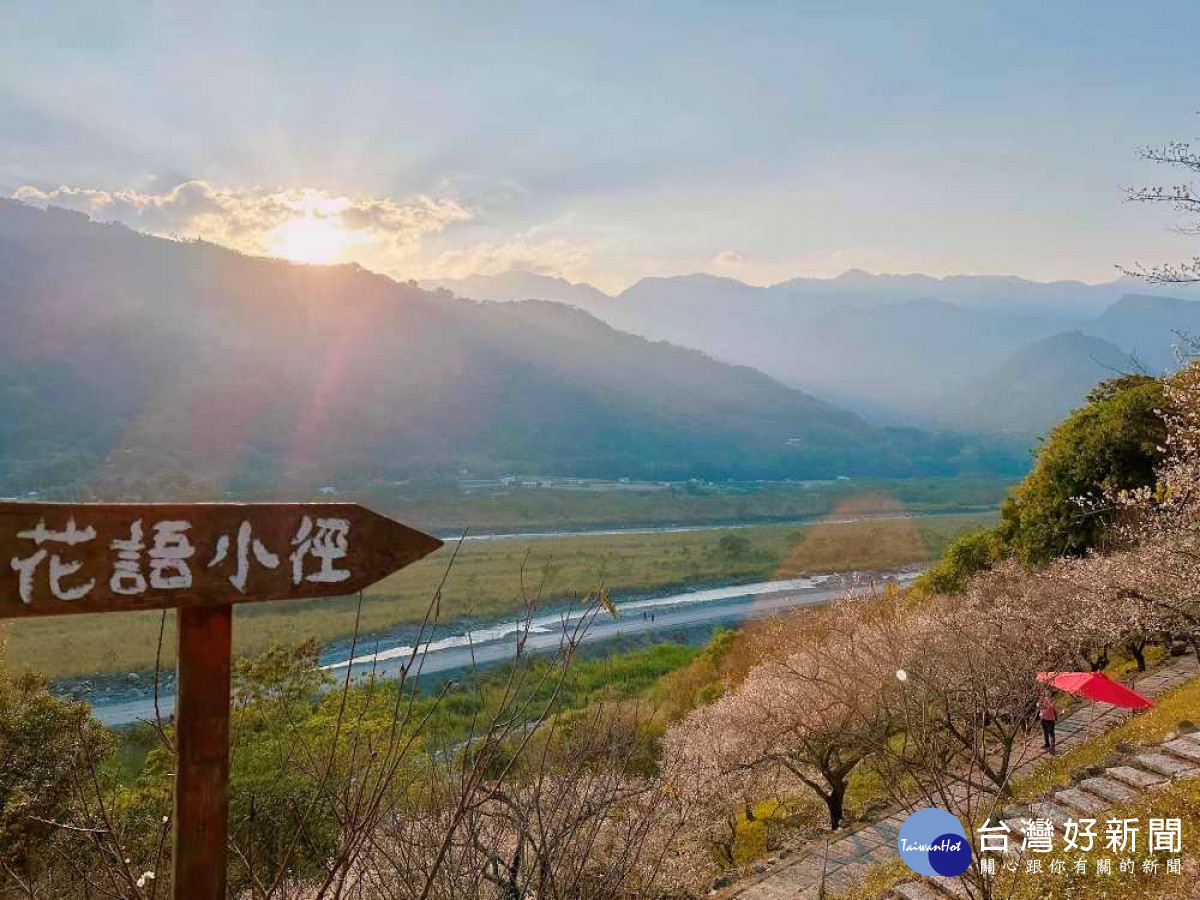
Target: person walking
1048, 713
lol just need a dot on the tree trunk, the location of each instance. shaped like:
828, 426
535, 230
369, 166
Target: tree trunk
512, 887
1136, 650
1000, 775
724, 849
836, 801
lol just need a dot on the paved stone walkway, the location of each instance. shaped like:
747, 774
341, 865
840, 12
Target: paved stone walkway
1090, 799
852, 855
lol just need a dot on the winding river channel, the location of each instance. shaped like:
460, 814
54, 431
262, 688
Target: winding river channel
456, 647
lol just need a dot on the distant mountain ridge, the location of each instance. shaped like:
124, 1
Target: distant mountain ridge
1153, 329
517, 285
899, 349
1034, 388
127, 359
997, 293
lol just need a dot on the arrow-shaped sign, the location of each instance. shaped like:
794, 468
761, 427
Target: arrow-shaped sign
60, 558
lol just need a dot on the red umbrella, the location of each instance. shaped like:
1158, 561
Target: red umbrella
1096, 686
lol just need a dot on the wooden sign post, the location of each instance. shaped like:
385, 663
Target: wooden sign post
57, 559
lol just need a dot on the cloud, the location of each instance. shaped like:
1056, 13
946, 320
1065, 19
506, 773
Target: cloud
250, 219
404, 238
527, 252
727, 260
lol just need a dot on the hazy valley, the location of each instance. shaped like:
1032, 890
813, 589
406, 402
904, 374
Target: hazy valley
972, 353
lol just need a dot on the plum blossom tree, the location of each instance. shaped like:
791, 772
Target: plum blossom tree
812, 716
966, 707
1082, 612
569, 821
1153, 578
971, 663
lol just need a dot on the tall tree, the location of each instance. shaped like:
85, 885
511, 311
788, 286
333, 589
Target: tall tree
1111, 444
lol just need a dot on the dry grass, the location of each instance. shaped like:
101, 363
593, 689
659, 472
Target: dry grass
873, 544
878, 882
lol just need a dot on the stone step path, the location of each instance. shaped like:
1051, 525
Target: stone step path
1089, 799
1136, 778
797, 876
1110, 788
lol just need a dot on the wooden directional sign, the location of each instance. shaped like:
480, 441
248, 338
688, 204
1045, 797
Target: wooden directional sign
63, 558
86, 558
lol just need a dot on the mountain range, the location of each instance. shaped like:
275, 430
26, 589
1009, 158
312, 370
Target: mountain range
134, 364
1038, 385
907, 349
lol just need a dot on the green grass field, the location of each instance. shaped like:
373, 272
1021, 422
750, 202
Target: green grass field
489, 577
529, 509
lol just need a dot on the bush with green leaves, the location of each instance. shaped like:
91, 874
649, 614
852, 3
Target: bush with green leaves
45, 745
734, 546
969, 555
1112, 443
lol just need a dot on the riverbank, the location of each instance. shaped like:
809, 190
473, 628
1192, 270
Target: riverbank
687, 617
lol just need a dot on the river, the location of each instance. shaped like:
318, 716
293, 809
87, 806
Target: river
455, 647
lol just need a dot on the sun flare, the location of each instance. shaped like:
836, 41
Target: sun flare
311, 239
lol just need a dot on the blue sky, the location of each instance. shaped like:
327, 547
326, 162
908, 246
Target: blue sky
609, 141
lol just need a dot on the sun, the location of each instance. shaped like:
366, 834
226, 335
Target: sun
310, 238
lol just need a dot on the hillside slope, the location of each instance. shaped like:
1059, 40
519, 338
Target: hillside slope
126, 359
517, 285
1151, 328
1037, 386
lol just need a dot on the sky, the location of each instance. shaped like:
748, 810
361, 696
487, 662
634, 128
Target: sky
609, 141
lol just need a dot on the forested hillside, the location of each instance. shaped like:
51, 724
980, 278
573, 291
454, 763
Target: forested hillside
129, 360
